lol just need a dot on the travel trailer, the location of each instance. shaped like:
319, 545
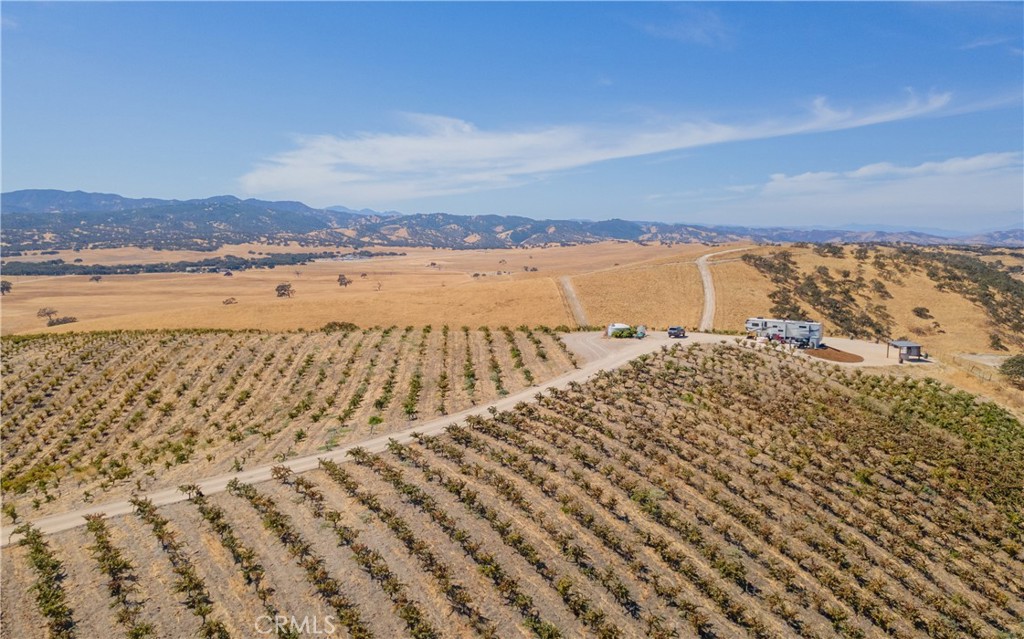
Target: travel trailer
800, 332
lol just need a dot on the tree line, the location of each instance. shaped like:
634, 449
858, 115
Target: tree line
208, 265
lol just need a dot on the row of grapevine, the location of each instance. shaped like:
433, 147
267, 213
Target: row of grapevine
244, 556
122, 579
516, 353
189, 583
48, 587
327, 587
591, 615
143, 410
443, 575
492, 362
507, 586
369, 560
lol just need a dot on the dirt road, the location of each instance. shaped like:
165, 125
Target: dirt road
574, 302
707, 320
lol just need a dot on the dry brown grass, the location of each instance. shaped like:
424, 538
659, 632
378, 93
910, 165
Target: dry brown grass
965, 324
583, 257
137, 255
742, 292
196, 301
411, 290
658, 295
655, 285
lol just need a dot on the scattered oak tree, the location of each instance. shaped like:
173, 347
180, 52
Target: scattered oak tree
1013, 369
5, 287
285, 290
51, 317
343, 280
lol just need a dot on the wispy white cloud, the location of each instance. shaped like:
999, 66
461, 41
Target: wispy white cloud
989, 41
881, 172
694, 25
443, 155
956, 193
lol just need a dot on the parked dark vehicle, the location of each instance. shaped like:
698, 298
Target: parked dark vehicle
676, 331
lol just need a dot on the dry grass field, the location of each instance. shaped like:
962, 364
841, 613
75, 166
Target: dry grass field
740, 292
656, 294
671, 498
181, 301
1007, 258
956, 326
653, 285
423, 287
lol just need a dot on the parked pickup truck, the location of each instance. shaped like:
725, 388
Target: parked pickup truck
676, 331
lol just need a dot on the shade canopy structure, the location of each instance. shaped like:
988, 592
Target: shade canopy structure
907, 349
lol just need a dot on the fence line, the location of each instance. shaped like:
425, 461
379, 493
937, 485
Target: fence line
981, 371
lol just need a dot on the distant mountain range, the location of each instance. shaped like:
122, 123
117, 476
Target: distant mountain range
49, 219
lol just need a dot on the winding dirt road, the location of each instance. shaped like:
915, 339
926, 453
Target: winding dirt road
707, 320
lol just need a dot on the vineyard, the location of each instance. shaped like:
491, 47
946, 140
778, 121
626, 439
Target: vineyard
91, 416
708, 491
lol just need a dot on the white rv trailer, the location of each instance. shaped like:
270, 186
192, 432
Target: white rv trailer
799, 332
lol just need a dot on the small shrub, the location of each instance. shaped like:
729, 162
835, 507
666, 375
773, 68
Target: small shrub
344, 327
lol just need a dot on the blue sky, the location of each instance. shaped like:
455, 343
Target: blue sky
906, 114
